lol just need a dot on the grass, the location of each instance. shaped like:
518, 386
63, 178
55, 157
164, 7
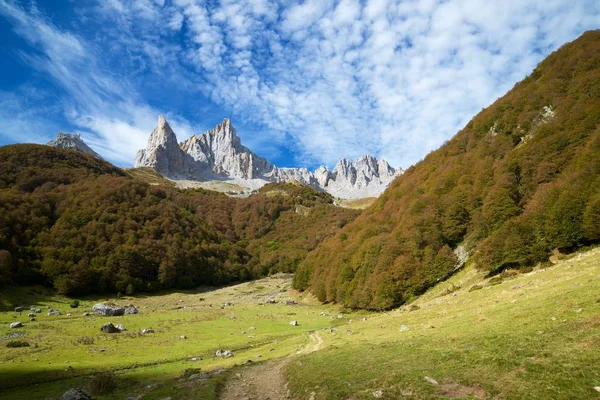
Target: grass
66, 350
356, 204
149, 175
529, 336
533, 336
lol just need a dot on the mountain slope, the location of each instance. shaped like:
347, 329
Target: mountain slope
521, 179
84, 226
218, 155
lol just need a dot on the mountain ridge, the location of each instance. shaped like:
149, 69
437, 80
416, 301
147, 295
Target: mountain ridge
520, 181
218, 154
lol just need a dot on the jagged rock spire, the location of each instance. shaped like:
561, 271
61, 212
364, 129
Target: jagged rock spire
219, 154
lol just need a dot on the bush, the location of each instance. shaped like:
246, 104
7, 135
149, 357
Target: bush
103, 382
74, 303
17, 343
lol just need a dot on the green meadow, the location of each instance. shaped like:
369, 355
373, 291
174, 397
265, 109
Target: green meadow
517, 336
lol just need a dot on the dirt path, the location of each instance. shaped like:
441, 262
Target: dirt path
265, 381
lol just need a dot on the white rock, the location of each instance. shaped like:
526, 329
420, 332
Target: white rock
72, 142
294, 323
431, 380
16, 325
404, 328
218, 154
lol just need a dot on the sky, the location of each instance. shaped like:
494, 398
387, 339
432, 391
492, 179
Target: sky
305, 82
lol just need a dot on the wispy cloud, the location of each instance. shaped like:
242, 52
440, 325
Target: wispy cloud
326, 79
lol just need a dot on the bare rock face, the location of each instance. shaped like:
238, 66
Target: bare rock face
218, 154
72, 142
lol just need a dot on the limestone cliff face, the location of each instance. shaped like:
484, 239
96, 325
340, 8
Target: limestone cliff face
72, 142
218, 154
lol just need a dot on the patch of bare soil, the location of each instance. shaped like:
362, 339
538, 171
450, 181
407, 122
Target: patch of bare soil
455, 390
265, 381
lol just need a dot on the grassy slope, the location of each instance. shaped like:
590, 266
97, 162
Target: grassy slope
533, 336
157, 358
522, 338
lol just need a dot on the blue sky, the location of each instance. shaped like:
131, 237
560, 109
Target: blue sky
304, 82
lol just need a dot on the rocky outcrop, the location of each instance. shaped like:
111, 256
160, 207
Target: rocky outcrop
72, 142
218, 154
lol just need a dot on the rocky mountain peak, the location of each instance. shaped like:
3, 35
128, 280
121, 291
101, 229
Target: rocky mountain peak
218, 154
72, 142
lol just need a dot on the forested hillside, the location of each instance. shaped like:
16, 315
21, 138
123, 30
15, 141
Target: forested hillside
84, 226
520, 180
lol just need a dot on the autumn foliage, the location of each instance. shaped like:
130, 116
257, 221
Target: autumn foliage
521, 179
84, 226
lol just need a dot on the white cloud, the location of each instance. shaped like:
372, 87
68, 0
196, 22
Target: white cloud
329, 78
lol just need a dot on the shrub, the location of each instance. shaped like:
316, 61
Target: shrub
17, 343
74, 303
103, 382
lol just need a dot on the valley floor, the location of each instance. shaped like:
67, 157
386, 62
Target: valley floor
533, 336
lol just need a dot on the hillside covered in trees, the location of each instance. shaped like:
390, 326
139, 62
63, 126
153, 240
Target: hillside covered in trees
520, 180
80, 224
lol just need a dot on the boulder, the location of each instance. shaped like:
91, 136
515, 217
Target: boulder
131, 309
19, 309
108, 311
109, 328
30, 315
35, 310
77, 394
294, 323
224, 353
271, 301
16, 325
147, 330
121, 328
53, 312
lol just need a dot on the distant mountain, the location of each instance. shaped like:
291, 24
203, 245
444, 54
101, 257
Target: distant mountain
519, 181
219, 155
72, 142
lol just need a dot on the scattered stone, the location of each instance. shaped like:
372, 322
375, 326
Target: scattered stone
16, 325
194, 358
377, 394
431, 380
86, 314
579, 310
53, 312
35, 310
294, 323
121, 328
69, 314
299, 363
290, 303
109, 328
30, 315
19, 309
182, 337
597, 388
271, 301
108, 311
251, 328
224, 353
553, 318
77, 394
147, 330
364, 319
131, 309
404, 328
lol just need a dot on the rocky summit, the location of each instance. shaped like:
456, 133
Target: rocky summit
218, 155
72, 142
